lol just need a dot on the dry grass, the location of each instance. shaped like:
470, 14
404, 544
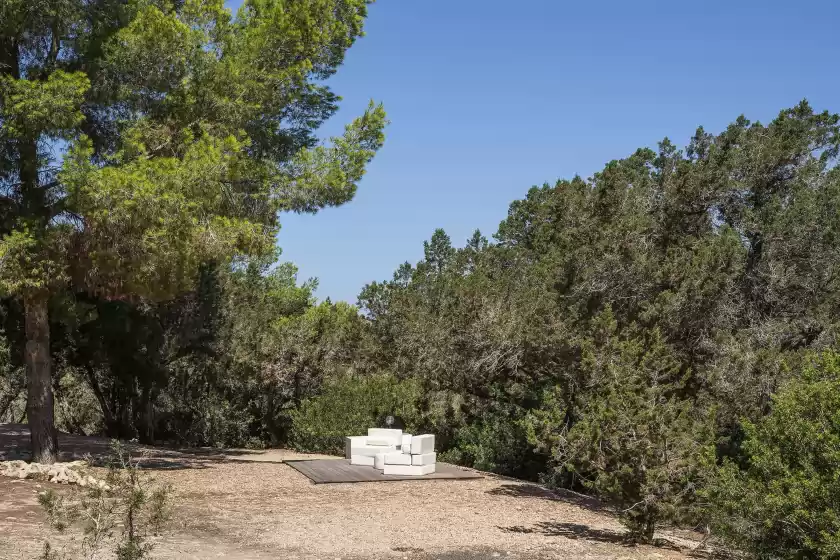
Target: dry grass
240, 505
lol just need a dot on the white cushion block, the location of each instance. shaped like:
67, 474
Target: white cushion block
408, 470
351, 442
397, 458
420, 445
406, 443
363, 460
379, 461
425, 459
395, 436
381, 442
371, 450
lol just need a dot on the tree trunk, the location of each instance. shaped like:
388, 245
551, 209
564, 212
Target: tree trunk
40, 407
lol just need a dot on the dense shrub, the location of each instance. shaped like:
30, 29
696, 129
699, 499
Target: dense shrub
350, 405
496, 442
786, 502
634, 440
76, 411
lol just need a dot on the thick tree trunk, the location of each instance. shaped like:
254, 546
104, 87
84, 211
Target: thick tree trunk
40, 408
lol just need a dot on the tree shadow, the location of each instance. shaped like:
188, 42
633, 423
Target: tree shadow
581, 531
571, 531
226, 455
15, 445
533, 491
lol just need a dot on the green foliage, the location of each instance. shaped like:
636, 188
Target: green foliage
635, 317
119, 515
77, 411
350, 405
31, 108
496, 442
637, 443
784, 502
12, 383
185, 132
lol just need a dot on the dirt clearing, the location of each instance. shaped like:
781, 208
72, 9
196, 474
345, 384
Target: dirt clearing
243, 504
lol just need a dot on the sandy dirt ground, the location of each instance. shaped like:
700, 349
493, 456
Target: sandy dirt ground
240, 505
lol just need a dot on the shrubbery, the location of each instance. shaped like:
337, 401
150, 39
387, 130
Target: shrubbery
496, 442
350, 405
785, 503
117, 517
622, 334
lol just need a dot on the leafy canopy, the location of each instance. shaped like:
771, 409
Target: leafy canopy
139, 139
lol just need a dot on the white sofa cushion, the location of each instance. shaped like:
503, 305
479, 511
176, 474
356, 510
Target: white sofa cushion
362, 460
394, 436
353, 441
397, 458
420, 445
371, 450
408, 470
406, 444
425, 459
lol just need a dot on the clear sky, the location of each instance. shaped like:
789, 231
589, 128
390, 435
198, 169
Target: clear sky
488, 98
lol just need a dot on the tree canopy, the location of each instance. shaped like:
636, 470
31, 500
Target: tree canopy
662, 334
141, 139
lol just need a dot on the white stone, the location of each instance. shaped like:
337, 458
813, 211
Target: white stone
406, 444
408, 470
425, 459
420, 445
394, 436
362, 460
397, 458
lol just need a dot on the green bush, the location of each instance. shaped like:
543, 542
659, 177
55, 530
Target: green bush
496, 443
350, 405
786, 502
636, 443
76, 408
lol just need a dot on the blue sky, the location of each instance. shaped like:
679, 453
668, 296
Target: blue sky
488, 98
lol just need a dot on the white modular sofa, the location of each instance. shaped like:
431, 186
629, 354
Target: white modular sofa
393, 452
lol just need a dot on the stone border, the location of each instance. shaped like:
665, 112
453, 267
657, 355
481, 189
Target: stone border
57, 473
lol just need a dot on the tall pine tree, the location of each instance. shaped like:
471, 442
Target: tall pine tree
140, 138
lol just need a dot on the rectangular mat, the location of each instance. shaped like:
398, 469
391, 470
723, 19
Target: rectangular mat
327, 471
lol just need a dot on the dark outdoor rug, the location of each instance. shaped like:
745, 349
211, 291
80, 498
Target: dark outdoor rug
327, 471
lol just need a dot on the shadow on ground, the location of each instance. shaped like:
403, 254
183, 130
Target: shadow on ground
570, 531
538, 492
475, 553
585, 532
14, 444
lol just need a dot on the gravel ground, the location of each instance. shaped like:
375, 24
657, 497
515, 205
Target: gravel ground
240, 505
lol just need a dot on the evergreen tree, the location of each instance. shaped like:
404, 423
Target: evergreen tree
141, 139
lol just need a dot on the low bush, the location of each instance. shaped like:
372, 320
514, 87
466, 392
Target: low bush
496, 442
351, 404
117, 516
